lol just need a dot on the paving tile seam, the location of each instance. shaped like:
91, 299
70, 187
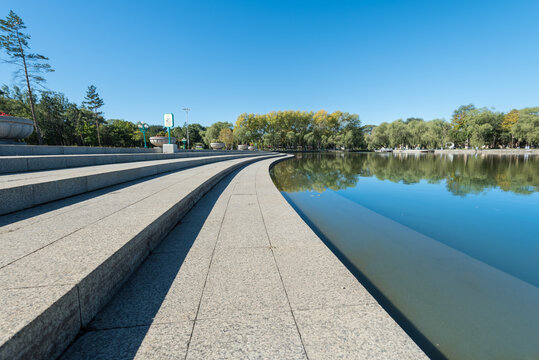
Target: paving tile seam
89, 224
244, 314
245, 247
46, 245
298, 246
359, 305
93, 330
36, 219
37, 286
277, 265
207, 275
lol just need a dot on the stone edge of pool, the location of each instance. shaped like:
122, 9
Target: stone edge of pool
341, 305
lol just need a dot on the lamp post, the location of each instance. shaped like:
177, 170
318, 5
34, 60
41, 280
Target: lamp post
186, 109
142, 126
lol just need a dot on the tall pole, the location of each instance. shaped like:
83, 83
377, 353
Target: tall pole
144, 135
186, 109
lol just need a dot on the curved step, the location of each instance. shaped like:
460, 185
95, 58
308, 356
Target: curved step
24, 190
14, 164
60, 278
22, 150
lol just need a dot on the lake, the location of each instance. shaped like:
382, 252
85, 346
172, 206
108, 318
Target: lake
450, 242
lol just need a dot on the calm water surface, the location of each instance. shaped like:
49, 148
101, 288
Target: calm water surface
452, 241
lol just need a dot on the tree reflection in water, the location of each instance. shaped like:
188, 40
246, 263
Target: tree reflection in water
463, 174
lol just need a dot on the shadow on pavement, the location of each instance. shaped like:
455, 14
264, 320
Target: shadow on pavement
118, 330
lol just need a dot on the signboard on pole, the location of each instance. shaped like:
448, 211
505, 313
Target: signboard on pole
169, 120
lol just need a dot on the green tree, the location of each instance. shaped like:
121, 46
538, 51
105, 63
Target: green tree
437, 134
461, 123
93, 102
484, 127
196, 133
56, 128
226, 136
212, 133
398, 135
120, 133
509, 120
379, 136
31, 65
527, 127
14, 102
417, 129
84, 128
290, 129
241, 135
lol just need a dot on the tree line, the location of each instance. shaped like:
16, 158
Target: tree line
62, 122
300, 130
469, 127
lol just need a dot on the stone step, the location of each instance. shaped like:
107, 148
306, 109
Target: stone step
24, 190
242, 276
24, 150
14, 164
60, 265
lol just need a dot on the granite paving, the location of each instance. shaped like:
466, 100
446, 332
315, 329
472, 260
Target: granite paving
13, 164
243, 277
26, 189
60, 263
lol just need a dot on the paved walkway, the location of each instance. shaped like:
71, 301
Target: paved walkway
242, 276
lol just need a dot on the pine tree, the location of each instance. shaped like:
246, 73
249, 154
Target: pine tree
94, 102
31, 65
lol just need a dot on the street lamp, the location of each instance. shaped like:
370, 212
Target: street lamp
186, 109
143, 127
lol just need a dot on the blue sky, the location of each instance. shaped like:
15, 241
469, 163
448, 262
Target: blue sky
383, 60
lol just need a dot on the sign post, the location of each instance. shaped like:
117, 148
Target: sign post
169, 122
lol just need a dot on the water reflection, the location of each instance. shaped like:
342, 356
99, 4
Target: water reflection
451, 241
462, 174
